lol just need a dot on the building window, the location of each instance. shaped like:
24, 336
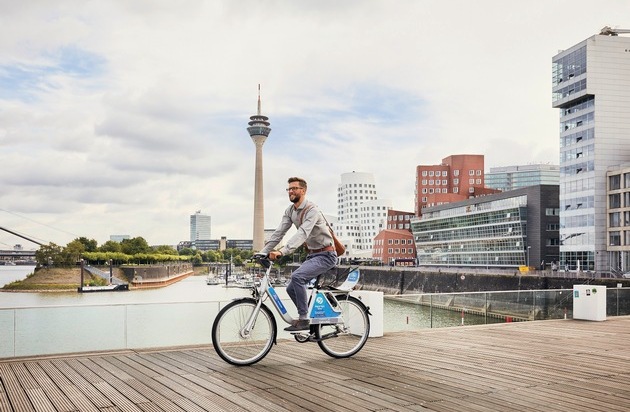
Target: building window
615, 238
424, 173
455, 181
471, 181
444, 182
614, 182
438, 173
614, 201
478, 172
478, 181
456, 172
471, 172
614, 219
430, 172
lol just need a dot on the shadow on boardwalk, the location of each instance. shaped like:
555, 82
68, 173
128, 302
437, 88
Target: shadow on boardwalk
563, 365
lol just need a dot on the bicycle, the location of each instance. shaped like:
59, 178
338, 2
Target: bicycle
245, 330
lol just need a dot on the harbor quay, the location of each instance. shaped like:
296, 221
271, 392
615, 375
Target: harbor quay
554, 365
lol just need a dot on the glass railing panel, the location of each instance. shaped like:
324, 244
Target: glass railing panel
617, 301
170, 324
7, 333
54, 330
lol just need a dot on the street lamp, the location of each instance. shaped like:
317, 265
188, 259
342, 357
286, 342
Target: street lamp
528, 248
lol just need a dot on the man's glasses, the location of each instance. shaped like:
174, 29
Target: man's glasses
293, 189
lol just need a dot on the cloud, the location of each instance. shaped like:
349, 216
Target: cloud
126, 117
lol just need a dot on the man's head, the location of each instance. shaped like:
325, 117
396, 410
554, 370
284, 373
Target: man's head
297, 189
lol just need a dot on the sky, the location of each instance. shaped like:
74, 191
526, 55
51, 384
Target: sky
126, 117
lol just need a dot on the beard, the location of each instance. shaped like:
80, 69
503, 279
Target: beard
296, 198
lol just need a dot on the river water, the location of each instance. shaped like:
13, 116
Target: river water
397, 316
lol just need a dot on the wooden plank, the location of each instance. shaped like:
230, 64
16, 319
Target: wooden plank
15, 392
5, 405
154, 391
85, 387
54, 394
73, 393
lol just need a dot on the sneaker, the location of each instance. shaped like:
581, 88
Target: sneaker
298, 325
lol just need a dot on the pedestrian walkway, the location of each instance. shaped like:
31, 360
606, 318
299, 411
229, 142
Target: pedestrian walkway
556, 365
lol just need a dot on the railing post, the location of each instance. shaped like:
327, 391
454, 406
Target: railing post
431, 311
485, 307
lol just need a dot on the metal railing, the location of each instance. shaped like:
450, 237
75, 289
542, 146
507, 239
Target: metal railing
428, 310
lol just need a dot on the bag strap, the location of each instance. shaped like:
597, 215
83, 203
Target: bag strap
303, 212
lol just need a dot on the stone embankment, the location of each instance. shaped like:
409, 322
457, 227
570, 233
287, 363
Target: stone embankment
399, 280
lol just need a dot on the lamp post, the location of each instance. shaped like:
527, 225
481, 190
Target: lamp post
528, 248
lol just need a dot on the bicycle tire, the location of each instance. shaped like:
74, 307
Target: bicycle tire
345, 339
240, 350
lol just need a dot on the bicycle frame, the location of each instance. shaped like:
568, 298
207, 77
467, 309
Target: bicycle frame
323, 306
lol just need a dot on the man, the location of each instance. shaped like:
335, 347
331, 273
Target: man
313, 230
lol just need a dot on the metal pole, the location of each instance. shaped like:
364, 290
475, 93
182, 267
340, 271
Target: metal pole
81, 285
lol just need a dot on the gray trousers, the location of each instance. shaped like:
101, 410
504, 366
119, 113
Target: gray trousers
314, 265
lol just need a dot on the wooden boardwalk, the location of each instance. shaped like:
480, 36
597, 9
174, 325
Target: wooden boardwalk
560, 365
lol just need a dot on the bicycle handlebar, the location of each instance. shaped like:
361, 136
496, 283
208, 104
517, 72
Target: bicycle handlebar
263, 259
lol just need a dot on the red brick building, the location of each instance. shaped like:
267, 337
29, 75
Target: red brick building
397, 219
392, 245
457, 178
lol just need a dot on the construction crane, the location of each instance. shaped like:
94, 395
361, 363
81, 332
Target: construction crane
608, 31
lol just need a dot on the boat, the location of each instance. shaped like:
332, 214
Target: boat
212, 281
108, 288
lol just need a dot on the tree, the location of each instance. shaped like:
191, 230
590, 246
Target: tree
165, 250
71, 254
187, 252
135, 246
90, 245
48, 254
110, 246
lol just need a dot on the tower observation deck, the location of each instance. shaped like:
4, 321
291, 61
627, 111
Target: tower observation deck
259, 131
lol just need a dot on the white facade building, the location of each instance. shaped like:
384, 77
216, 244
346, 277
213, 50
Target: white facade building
360, 214
591, 87
200, 225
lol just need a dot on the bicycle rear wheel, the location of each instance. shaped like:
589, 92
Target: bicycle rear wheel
346, 338
235, 347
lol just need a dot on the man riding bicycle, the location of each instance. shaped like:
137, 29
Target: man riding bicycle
312, 230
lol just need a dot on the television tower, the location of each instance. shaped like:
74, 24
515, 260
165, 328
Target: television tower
259, 130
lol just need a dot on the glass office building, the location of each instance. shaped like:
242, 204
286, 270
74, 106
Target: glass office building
590, 88
505, 230
512, 177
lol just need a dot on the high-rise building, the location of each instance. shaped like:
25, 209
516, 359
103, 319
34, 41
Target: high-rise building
590, 83
360, 214
200, 225
512, 177
259, 131
458, 177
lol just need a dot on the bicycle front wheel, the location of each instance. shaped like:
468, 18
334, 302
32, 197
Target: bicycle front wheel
234, 345
346, 338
